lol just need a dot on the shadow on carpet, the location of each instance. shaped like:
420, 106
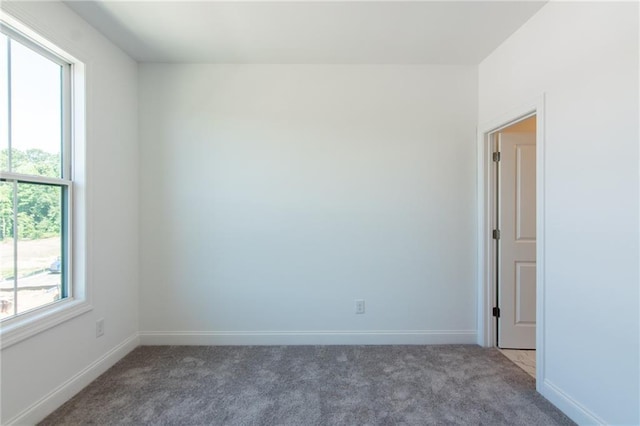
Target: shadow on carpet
311, 385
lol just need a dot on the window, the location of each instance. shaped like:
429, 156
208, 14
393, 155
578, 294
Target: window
41, 162
35, 186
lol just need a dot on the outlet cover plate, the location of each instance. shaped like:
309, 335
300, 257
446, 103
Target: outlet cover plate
100, 327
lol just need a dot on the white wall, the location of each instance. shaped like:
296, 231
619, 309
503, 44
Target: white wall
41, 372
272, 196
584, 56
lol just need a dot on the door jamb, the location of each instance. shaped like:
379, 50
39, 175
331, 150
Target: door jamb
486, 248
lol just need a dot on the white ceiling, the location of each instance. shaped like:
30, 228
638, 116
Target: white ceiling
330, 32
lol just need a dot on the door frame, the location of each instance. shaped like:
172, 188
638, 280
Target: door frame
487, 256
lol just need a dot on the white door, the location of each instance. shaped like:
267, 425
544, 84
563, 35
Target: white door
517, 241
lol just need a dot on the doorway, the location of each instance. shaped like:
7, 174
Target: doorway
515, 234
515, 239
511, 236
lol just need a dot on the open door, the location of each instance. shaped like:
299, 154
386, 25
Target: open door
516, 210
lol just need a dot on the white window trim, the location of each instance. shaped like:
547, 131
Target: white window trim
26, 325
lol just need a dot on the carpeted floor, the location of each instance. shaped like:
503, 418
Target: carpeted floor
311, 385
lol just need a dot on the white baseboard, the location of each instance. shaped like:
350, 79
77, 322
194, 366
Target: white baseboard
331, 337
50, 402
573, 409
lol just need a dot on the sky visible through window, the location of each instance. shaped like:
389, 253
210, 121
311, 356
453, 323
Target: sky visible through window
35, 101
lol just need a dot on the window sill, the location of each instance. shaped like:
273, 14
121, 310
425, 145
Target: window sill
24, 326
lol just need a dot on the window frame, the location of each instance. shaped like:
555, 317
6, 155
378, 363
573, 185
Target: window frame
73, 177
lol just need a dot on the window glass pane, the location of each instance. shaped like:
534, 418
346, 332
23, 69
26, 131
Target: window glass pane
6, 249
36, 113
39, 245
4, 104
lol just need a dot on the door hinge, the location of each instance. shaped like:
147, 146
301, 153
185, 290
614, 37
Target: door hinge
496, 234
496, 156
496, 312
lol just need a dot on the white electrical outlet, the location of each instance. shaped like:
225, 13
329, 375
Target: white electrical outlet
100, 327
359, 306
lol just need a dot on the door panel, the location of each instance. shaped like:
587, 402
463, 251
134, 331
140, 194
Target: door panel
525, 215
525, 292
517, 244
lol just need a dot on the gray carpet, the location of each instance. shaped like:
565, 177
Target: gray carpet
311, 385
